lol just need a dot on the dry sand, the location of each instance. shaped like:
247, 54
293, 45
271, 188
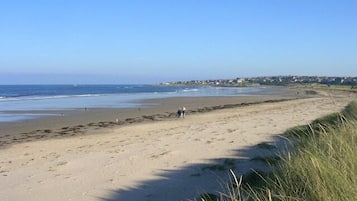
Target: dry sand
172, 159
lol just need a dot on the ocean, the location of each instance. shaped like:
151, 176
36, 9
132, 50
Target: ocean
18, 102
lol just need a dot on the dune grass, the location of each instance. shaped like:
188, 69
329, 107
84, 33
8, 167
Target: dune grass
344, 88
321, 167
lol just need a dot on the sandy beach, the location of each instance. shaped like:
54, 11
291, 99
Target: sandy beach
148, 153
66, 123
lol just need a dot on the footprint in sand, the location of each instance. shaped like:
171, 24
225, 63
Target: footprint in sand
155, 156
61, 163
85, 146
102, 143
57, 165
4, 172
51, 156
116, 151
231, 130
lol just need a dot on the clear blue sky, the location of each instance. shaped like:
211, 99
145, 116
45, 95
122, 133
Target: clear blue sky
129, 41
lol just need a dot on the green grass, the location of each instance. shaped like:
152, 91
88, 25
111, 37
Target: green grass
267, 159
321, 167
345, 88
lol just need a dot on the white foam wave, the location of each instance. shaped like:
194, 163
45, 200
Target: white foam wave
24, 98
190, 90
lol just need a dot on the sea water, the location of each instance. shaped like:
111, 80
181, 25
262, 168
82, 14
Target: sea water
18, 102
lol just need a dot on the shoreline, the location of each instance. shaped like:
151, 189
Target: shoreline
158, 160
174, 159
69, 123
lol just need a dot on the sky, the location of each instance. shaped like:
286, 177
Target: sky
131, 41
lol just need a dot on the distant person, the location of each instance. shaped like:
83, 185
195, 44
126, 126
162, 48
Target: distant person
179, 113
183, 112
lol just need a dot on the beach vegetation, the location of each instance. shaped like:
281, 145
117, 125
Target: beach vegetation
334, 87
267, 159
321, 166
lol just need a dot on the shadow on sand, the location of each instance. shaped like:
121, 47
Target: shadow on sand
191, 181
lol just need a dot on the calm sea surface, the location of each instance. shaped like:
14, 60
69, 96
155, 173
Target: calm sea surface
17, 101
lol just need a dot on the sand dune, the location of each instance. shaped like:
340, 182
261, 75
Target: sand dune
173, 159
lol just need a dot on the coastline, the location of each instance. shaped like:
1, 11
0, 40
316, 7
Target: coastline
69, 123
160, 159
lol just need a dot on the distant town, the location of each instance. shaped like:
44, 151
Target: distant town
271, 80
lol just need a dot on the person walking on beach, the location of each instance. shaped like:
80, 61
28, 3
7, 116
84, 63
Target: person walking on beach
183, 112
179, 113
